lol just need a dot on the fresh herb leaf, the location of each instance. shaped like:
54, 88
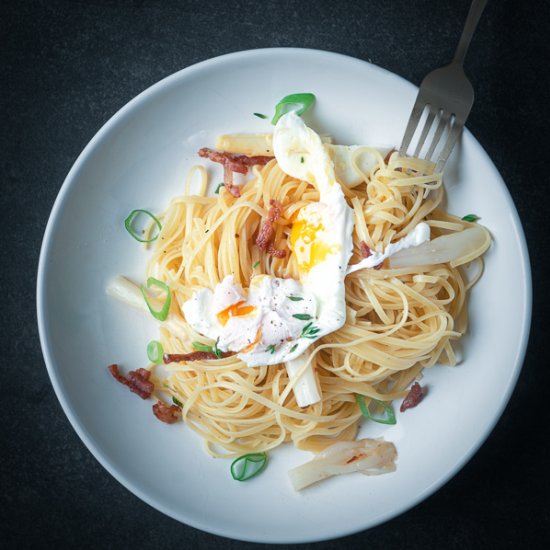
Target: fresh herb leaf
256, 264
260, 115
216, 350
387, 418
470, 218
177, 402
302, 160
295, 298
129, 225
220, 185
247, 466
309, 331
271, 349
203, 347
302, 316
162, 313
155, 352
293, 348
293, 102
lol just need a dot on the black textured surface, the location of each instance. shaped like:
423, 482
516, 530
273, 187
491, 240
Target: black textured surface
67, 66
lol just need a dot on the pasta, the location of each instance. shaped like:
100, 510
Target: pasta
398, 320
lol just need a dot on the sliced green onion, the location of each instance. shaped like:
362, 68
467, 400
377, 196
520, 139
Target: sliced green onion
387, 418
256, 264
302, 316
208, 349
247, 466
203, 347
293, 102
271, 348
162, 313
129, 221
293, 348
220, 185
295, 298
177, 402
155, 352
260, 115
470, 218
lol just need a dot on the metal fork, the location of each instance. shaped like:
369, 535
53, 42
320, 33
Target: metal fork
448, 96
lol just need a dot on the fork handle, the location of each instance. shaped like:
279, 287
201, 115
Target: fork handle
476, 9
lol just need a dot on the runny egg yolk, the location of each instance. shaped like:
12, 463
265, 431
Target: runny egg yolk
234, 310
308, 248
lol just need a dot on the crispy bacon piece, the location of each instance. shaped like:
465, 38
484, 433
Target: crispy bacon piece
138, 381
276, 252
166, 413
366, 252
228, 183
193, 356
415, 395
232, 162
267, 231
389, 154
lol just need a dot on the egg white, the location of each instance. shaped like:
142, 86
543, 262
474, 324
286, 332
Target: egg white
284, 308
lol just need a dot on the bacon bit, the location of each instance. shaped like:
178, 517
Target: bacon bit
166, 413
232, 163
276, 252
414, 397
113, 369
137, 381
228, 183
193, 356
389, 154
266, 233
366, 252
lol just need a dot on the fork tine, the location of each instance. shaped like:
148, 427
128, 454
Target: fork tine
443, 122
425, 131
452, 138
416, 113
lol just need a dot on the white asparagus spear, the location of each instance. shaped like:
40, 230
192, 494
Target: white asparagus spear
129, 293
306, 389
250, 144
367, 456
341, 155
457, 248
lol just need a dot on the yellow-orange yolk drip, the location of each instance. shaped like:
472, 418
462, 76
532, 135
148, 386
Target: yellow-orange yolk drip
251, 346
308, 249
235, 310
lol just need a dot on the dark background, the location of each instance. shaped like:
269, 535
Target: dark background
68, 66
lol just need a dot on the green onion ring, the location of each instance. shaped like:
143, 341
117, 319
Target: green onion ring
293, 102
247, 466
177, 402
155, 352
388, 409
130, 220
162, 313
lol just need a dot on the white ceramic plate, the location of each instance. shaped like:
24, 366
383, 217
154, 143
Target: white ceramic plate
139, 160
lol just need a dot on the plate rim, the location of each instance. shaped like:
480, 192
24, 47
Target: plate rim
51, 367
